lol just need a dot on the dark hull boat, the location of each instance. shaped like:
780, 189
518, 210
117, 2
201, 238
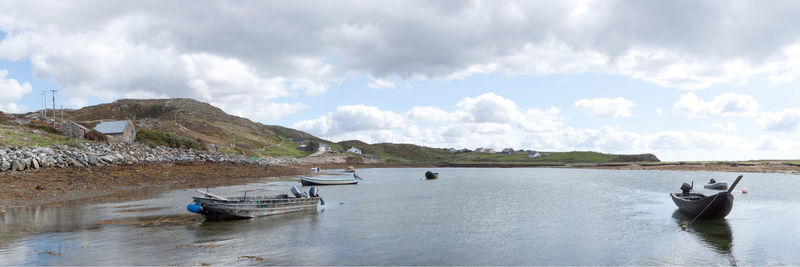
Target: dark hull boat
717, 186
701, 206
431, 175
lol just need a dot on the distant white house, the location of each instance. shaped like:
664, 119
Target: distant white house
354, 150
508, 151
534, 155
484, 150
324, 147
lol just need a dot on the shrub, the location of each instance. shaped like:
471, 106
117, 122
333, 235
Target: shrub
160, 138
95, 135
42, 126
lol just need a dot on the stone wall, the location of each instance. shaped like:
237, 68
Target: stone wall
15, 158
72, 129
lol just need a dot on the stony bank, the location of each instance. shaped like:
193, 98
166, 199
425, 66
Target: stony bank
16, 158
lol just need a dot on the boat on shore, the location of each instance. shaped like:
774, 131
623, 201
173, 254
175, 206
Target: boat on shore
700, 206
713, 184
328, 181
431, 175
213, 207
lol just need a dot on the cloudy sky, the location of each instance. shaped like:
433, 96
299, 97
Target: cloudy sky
686, 80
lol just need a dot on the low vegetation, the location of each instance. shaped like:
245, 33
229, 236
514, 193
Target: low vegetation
14, 135
95, 136
161, 138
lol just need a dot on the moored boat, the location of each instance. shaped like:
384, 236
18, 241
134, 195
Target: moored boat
328, 181
700, 206
716, 185
431, 175
214, 207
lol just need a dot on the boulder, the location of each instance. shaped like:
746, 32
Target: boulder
16, 165
34, 164
5, 165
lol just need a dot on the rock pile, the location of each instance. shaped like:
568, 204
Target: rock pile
15, 158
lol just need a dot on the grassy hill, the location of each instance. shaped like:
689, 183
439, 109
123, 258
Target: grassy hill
198, 121
408, 153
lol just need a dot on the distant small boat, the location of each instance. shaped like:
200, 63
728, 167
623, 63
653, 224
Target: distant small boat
431, 175
214, 207
700, 206
350, 169
327, 181
716, 185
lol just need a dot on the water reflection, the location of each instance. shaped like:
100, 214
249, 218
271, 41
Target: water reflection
715, 233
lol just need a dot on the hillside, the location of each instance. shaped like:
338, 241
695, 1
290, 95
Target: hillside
408, 153
202, 122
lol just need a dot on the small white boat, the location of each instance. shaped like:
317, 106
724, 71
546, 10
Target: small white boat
327, 181
716, 185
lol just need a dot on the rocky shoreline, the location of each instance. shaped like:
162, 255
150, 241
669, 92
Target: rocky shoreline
15, 158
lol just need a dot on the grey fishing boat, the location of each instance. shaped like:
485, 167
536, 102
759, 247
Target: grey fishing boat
214, 207
329, 181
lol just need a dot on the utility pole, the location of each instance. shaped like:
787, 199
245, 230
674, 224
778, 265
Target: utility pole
44, 106
54, 103
62, 114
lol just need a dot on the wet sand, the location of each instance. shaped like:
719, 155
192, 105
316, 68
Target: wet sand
741, 168
114, 182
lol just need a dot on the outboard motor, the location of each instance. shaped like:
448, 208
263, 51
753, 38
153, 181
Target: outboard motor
195, 208
296, 192
712, 181
313, 192
686, 188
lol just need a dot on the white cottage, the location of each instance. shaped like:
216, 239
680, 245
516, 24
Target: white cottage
354, 150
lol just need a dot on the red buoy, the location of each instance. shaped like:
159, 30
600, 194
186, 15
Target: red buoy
744, 191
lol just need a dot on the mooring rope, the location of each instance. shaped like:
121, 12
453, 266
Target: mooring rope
704, 209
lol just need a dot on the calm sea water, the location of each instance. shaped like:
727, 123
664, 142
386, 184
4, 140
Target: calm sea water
535, 216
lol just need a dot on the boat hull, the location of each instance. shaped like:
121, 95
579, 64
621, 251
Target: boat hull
250, 207
431, 175
311, 181
704, 207
717, 186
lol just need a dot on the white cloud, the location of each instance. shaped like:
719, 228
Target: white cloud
381, 83
489, 107
726, 127
11, 91
785, 121
11, 88
606, 107
729, 104
353, 118
432, 114
771, 143
13, 108
94, 49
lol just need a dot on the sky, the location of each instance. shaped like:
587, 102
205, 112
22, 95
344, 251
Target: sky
684, 80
